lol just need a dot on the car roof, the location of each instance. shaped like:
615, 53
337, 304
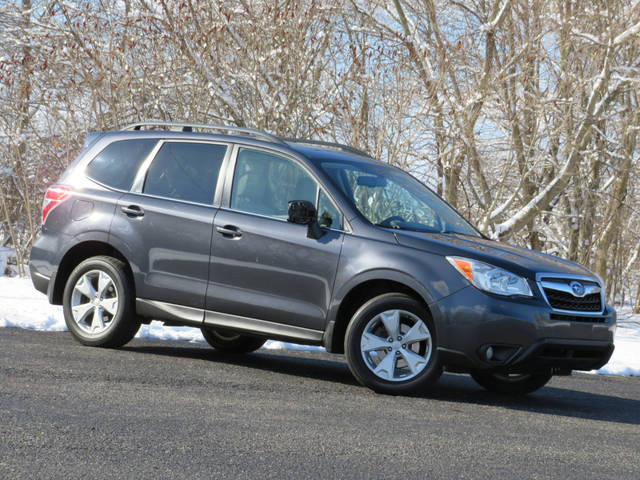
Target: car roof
314, 150
317, 153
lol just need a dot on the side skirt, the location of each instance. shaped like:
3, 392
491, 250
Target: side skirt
196, 317
169, 312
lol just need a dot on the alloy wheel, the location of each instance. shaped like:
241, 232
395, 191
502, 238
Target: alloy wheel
94, 302
396, 345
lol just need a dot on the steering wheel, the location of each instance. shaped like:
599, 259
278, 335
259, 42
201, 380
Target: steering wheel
387, 222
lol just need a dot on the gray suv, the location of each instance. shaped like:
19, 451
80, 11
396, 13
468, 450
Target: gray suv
249, 237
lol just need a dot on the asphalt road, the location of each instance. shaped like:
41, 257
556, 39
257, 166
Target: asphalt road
178, 410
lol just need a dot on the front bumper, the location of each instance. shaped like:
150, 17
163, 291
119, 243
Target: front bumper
560, 355
525, 333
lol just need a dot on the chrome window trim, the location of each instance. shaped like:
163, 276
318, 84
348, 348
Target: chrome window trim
570, 276
169, 199
277, 219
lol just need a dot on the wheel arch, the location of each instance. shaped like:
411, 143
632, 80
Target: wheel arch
362, 289
76, 254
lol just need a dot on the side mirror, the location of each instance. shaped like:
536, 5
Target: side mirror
304, 212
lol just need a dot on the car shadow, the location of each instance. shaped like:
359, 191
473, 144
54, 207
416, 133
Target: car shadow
551, 400
329, 370
456, 388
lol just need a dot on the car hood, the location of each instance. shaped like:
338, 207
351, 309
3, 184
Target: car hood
519, 260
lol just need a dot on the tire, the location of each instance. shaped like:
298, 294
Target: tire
231, 342
511, 384
393, 365
98, 303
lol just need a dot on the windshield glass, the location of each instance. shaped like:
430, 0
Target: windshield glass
391, 198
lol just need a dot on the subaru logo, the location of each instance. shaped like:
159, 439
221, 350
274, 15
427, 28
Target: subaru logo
577, 288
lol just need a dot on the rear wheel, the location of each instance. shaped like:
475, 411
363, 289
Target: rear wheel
391, 343
98, 303
513, 384
231, 342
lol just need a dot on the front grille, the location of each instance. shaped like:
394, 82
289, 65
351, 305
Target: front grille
565, 301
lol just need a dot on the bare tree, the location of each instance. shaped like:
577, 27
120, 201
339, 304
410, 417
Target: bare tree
521, 113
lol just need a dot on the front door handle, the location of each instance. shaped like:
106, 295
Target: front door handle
133, 211
229, 231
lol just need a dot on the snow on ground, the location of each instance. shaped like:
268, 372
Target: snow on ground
626, 356
23, 307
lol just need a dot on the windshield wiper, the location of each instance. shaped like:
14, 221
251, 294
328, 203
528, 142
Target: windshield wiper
395, 227
451, 232
408, 229
383, 226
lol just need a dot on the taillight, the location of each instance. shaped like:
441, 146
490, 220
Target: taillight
54, 196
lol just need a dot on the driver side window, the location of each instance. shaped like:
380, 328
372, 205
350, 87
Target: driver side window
264, 184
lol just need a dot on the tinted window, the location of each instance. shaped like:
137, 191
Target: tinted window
328, 215
117, 165
265, 184
185, 171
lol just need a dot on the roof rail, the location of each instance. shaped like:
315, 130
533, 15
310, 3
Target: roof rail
337, 146
188, 127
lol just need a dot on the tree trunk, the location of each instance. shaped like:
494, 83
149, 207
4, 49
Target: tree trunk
12, 233
613, 216
24, 91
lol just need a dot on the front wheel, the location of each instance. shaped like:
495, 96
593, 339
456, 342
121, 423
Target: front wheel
98, 303
231, 342
391, 345
512, 384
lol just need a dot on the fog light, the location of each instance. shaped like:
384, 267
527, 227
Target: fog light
489, 353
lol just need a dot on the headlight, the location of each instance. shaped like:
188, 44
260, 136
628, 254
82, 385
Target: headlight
489, 278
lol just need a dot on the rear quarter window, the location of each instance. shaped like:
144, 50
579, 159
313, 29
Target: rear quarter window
116, 166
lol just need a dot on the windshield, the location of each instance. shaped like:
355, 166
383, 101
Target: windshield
391, 198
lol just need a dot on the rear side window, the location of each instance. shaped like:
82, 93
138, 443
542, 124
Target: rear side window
116, 166
185, 171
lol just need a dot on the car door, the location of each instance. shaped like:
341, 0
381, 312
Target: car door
165, 224
262, 266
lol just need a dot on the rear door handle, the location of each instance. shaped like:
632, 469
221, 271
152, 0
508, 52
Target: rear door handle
229, 231
133, 211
